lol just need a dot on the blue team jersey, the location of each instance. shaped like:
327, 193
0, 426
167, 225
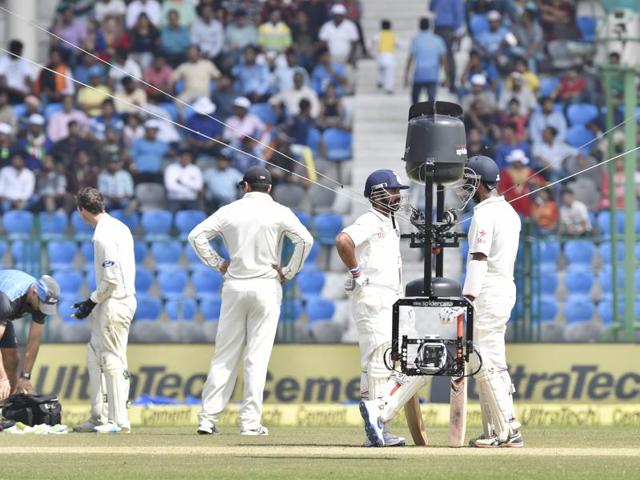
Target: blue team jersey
14, 286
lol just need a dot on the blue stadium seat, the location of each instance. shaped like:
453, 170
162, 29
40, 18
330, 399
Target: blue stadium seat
587, 27
605, 278
144, 279
140, 250
206, 282
548, 85
166, 254
578, 280
290, 310
582, 113
548, 309
579, 136
186, 220
20, 110
578, 308
70, 281
172, 282
65, 309
156, 223
579, 251
548, 282
478, 24
313, 140
265, 112
327, 226
319, 309
549, 251
81, 230
210, 308
338, 144
310, 283
304, 217
87, 252
131, 220
52, 108
53, 225
61, 253
181, 310
604, 220
605, 251
170, 108
605, 310
192, 257
149, 308
90, 279
310, 262
17, 223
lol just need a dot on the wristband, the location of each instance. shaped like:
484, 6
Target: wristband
25, 375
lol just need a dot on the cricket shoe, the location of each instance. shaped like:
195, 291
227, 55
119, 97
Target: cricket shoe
390, 440
256, 432
207, 428
111, 427
373, 427
514, 440
88, 427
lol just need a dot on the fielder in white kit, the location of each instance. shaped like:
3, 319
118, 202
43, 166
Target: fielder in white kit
370, 249
493, 246
252, 229
110, 308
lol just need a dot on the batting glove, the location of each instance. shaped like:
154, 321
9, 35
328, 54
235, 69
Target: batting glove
356, 281
450, 314
83, 309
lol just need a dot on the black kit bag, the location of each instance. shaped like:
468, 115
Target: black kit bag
33, 409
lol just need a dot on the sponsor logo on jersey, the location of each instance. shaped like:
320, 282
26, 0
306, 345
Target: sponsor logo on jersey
108, 263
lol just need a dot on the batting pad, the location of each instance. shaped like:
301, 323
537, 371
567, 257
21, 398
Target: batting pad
400, 389
495, 390
117, 383
97, 392
377, 372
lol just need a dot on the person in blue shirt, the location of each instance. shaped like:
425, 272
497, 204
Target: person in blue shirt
221, 183
203, 123
148, 154
253, 79
491, 42
449, 25
108, 119
175, 39
20, 295
428, 52
327, 72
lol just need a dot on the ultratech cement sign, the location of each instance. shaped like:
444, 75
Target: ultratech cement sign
330, 373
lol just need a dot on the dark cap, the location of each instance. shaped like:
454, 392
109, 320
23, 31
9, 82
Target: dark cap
257, 176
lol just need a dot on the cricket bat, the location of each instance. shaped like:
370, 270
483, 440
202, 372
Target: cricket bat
415, 423
458, 401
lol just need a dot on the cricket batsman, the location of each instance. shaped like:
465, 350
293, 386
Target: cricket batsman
493, 245
370, 249
110, 309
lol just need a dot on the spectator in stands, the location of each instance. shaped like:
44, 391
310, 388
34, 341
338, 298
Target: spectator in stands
51, 186
299, 125
290, 99
274, 35
196, 73
572, 87
240, 33
317, 14
34, 106
508, 144
7, 145
253, 79
57, 126
105, 9
284, 71
160, 75
450, 26
70, 29
133, 129
108, 118
167, 131
16, 74
242, 123
145, 40
87, 67
577, 164
95, 41
90, 99
551, 154
519, 90
386, 45
7, 114
547, 116
17, 184
66, 150
148, 153
340, 35
116, 185
545, 213
150, 8
131, 98
184, 8
529, 78
328, 72
618, 181
222, 183
530, 39
574, 216
477, 144
208, 33
332, 112
175, 38
512, 116
123, 65
429, 52
475, 66
249, 154
35, 143
281, 163
83, 172
51, 86
183, 182
203, 123
113, 146
224, 96
304, 38
480, 106
517, 180
491, 42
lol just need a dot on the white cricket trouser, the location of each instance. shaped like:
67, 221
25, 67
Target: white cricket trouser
248, 323
386, 70
107, 359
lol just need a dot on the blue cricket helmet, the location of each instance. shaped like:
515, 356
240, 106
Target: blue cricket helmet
383, 179
483, 169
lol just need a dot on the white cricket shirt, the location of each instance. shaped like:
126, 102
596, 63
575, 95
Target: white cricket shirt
114, 260
377, 244
253, 229
495, 231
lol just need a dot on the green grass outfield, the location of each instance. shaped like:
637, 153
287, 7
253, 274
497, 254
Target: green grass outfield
317, 453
